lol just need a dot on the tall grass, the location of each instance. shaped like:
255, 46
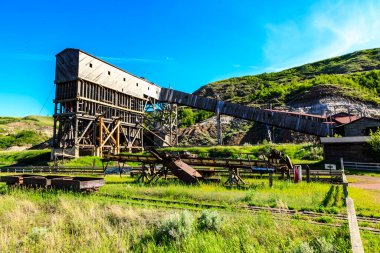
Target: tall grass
44, 221
284, 194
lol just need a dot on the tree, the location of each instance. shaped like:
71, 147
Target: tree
374, 142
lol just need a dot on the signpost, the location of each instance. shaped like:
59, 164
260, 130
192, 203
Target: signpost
330, 166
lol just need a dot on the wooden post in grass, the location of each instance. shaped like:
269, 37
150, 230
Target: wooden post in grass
270, 179
307, 173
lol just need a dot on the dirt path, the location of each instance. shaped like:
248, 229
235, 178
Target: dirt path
365, 182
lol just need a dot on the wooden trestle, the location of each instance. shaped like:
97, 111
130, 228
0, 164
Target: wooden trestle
153, 167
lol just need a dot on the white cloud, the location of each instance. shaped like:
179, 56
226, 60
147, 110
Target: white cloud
330, 29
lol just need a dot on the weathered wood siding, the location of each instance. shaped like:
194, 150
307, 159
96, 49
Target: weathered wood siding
360, 126
73, 64
66, 67
353, 152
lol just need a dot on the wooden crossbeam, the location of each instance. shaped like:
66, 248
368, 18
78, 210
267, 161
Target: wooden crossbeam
85, 131
109, 133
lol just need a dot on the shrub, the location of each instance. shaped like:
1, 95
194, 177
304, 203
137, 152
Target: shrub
374, 142
21, 138
303, 248
175, 227
322, 245
209, 220
38, 233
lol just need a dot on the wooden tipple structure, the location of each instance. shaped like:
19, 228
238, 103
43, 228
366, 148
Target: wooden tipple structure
102, 108
98, 107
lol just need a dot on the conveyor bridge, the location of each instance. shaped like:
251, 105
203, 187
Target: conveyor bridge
303, 123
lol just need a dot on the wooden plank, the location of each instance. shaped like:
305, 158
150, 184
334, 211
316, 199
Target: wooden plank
356, 242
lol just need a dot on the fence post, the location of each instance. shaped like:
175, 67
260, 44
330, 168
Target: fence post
356, 241
345, 185
270, 179
341, 164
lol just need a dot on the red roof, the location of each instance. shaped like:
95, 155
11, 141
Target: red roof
344, 118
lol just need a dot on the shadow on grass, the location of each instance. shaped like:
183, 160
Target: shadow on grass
329, 197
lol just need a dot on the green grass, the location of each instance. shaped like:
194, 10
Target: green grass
367, 202
50, 221
24, 137
26, 157
124, 217
32, 119
313, 196
300, 153
84, 161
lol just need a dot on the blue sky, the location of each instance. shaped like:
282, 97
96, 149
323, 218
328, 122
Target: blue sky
182, 44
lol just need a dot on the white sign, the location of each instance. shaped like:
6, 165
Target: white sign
330, 166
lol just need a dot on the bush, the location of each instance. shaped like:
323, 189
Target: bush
209, 220
188, 117
374, 142
175, 227
322, 245
303, 248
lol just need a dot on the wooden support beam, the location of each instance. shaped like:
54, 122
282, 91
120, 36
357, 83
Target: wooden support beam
100, 148
109, 134
117, 148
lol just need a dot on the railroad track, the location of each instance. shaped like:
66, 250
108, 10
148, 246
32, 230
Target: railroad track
310, 216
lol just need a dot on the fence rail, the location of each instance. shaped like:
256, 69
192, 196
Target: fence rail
362, 166
47, 169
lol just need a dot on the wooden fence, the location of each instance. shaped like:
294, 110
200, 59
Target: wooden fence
362, 166
47, 169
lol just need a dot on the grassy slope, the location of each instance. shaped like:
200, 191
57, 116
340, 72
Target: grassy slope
30, 130
353, 75
25, 157
40, 121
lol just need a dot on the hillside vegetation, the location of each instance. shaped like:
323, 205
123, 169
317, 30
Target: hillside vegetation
354, 75
27, 131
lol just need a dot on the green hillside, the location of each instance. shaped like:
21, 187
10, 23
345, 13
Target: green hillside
355, 75
25, 131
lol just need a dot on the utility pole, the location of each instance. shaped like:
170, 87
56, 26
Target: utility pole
219, 105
